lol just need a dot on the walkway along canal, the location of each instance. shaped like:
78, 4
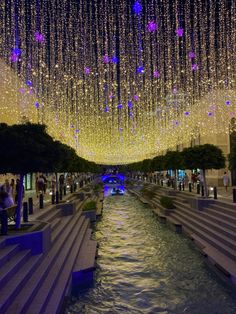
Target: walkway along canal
144, 267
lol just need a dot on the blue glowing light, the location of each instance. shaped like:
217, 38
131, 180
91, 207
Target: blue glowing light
107, 177
137, 8
119, 106
227, 102
130, 105
37, 105
140, 69
16, 51
29, 83
187, 113
106, 109
114, 59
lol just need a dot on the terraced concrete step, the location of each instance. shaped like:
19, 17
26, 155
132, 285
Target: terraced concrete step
205, 236
55, 223
226, 205
56, 281
7, 252
17, 282
10, 268
228, 223
27, 293
206, 227
208, 220
54, 303
222, 262
222, 208
86, 257
221, 214
43, 213
52, 215
59, 229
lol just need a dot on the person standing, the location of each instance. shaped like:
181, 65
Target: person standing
5, 202
226, 180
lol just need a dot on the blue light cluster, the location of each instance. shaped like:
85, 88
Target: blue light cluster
137, 8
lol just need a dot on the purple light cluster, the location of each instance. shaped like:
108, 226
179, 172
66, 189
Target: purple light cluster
180, 32
39, 37
152, 26
156, 74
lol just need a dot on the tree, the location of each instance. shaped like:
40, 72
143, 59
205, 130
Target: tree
173, 160
26, 148
157, 163
146, 165
204, 157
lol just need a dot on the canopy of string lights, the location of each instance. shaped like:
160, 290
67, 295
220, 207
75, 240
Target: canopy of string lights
119, 80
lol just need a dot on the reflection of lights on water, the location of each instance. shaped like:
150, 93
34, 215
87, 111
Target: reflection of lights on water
108, 190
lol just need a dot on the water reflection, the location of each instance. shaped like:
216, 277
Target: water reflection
143, 267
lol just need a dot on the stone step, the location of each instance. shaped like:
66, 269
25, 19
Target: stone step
222, 208
56, 299
7, 252
220, 215
55, 284
182, 199
43, 213
12, 288
86, 257
60, 228
230, 223
23, 300
55, 223
52, 215
231, 206
206, 236
208, 220
206, 227
220, 212
222, 262
9, 269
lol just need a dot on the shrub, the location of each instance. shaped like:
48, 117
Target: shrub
90, 206
96, 187
167, 202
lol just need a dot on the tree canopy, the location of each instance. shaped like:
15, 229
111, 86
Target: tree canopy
207, 156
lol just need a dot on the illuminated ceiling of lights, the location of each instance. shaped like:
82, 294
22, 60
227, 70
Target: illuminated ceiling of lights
120, 81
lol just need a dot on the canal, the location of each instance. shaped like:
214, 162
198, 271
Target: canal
144, 267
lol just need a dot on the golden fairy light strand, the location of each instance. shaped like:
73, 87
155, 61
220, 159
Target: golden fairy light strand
186, 89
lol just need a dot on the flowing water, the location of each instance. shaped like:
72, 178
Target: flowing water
144, 267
